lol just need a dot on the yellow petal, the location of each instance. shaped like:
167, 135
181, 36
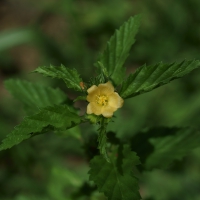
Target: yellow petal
103, 100
107, 111
94, 108
92, 92
106, 88
115, 100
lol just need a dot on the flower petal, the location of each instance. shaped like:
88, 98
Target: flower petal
103, 100
106, 88
94, 108
115, 100
107, 111
92, 92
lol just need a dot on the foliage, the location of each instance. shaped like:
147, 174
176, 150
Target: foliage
69, 76
34, 96
118, 48
130, 150
120, 174
164, 145
146, 78
59, 117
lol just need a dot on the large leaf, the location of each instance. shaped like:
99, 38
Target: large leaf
58, 117
159, 147
69, 76
34, 96
173, 147
147, 78
115, 179
118, 47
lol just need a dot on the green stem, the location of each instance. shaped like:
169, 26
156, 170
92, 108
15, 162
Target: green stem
102, 139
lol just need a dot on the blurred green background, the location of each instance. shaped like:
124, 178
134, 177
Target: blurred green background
73, 32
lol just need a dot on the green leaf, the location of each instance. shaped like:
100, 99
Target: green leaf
58, 117
158, 147
117, 49
103, 69
69, 76
172, 147
34, 96
100, 78
115, 179
147, 78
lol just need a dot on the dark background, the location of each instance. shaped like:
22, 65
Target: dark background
73, 32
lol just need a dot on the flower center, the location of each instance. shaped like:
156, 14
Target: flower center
102, 100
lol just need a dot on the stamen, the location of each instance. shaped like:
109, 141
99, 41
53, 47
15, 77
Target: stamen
102, 100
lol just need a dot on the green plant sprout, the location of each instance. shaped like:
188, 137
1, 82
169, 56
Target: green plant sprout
114, 168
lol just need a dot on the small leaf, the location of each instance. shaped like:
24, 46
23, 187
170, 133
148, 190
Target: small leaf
34, 96
115, 179
117, 49
69, 76
147, 78
58, 117
103, 69
94, 119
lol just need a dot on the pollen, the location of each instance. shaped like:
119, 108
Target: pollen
102, 100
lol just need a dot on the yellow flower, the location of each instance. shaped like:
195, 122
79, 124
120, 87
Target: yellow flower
103, 100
